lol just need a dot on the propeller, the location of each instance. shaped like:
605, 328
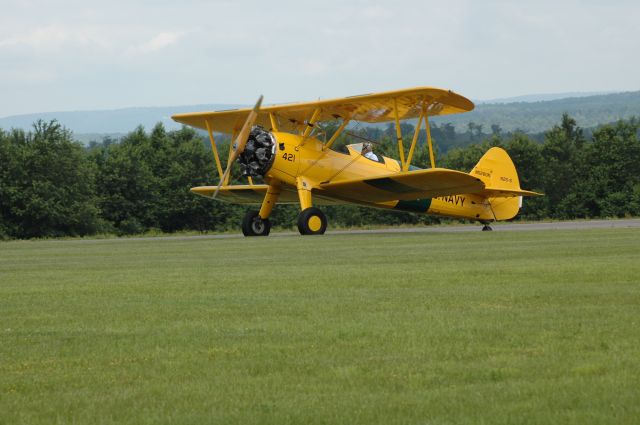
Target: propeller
240, 143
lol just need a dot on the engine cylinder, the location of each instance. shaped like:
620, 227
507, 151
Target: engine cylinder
258, 154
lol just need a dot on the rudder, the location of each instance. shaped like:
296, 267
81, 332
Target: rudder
498, 173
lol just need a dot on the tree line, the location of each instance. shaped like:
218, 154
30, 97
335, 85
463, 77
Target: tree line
53, 186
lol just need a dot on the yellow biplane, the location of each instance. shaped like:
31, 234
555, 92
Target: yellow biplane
280, 144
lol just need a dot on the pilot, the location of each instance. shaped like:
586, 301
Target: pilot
367, 152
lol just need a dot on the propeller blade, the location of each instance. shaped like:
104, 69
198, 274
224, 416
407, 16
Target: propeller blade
240, 143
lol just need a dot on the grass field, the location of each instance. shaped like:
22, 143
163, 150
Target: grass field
475, 328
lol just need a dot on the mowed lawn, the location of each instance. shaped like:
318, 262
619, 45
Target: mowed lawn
459, 328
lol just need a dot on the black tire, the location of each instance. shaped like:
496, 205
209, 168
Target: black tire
312, 221
486, 228
253, 225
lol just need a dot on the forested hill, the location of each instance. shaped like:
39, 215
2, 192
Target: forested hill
529, 117
536, 117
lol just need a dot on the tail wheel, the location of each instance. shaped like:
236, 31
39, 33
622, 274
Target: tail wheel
254, 225
312, 221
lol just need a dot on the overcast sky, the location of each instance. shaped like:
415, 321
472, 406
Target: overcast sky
83, 54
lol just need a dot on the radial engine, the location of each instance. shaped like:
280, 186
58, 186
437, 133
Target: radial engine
258, 154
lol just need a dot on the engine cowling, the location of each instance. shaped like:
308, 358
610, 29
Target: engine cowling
259, 153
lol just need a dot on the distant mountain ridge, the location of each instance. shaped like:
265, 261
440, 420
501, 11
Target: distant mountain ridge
112, 121
525, 113
542, 97
539, 116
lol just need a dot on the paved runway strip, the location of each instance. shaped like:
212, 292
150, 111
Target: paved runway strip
499, 227
558, 225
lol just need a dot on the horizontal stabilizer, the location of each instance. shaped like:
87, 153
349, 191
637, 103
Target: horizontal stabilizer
494, 192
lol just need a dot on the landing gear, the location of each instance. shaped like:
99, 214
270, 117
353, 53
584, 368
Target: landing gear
254, 225
486, 228
312, 221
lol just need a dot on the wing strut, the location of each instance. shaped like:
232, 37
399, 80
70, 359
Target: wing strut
338, 132
274, 121
398, 131
225, 180
326, 147
214, 148
415, 140
426, 123
311, 122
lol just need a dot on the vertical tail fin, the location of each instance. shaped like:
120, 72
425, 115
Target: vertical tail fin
496, 170
503, 193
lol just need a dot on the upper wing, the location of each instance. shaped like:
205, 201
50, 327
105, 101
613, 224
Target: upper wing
371, 108
407, 185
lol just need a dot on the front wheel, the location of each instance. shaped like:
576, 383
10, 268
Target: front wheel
312, 221
254, 225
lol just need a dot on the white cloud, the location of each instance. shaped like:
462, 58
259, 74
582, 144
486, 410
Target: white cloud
160, 41
29, 77
144, 52
55, 37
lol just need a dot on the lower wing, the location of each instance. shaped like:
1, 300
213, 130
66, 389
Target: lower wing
408, 185
254, 194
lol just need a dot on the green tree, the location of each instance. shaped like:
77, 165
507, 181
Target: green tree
563, 158
526, 155
611, 175
126, 184
48, 184
145, 181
